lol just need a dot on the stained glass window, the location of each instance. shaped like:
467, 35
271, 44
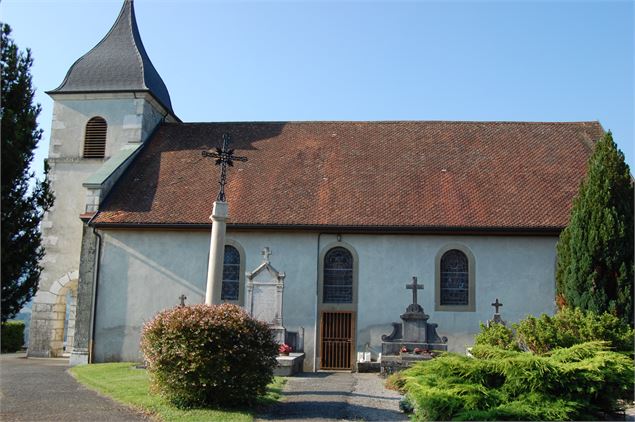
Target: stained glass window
454, 278
231, 274
338, 276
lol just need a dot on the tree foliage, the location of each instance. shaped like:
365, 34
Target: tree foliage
595, 251
24, 200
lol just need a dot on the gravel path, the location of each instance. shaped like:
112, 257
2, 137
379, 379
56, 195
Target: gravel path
326, 396
41, 390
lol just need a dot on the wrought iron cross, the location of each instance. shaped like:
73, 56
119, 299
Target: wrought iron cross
182, 299
414, 287
497, 305
224, 157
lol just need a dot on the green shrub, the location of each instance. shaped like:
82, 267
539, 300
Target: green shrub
572, 326
584, 382
12, 337
208, 355
565, 329
497, 335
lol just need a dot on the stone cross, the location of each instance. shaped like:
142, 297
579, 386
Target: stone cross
497, 305
266, 253
224, 157
182, 299
414, 287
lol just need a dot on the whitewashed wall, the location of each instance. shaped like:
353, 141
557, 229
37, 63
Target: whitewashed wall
143, 272
130, 121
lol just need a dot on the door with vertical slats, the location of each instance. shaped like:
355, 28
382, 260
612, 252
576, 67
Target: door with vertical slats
337, 338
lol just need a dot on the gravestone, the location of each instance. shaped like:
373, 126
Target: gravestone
413, 339
265, 286
497, 319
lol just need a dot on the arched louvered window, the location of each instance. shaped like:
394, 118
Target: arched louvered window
95, 138
455, 280
338, 276
230, 289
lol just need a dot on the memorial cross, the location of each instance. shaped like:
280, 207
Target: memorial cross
224, 157
182, 298
497, 305
266, 253
414, 287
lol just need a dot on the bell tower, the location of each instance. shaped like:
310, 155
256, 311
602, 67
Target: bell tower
109, 103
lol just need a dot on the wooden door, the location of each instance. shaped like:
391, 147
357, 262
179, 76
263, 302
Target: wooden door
336, 340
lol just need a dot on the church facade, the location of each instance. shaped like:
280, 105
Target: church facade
346, 212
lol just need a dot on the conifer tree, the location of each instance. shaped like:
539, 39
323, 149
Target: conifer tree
24, 200
595, 251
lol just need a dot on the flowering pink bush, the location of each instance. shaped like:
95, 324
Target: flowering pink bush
285, 349
208, 355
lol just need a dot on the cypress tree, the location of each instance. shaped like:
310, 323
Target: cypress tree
595, 251
24, 200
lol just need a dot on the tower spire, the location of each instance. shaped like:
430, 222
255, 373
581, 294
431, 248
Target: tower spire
118, 63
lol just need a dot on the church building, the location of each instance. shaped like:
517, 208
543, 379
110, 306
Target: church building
338, 215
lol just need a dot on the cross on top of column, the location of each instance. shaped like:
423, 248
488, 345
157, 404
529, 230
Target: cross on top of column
224, 157
182, 299
266, 252
414, 287
497, 305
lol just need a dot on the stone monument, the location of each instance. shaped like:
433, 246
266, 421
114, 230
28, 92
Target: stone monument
497, 319
413, 339
265, 285
224, 157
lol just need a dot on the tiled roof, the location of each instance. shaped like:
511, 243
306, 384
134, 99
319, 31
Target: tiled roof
428, 175
118, 63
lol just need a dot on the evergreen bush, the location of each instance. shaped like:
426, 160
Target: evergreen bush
208, 355
572, 326
582, 382
566, 328
12, 337
497, 335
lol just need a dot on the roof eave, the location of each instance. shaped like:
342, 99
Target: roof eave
447, 230
169, 110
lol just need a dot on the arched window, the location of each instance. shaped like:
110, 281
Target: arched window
455, 280
230, 289
338, 276
95, 138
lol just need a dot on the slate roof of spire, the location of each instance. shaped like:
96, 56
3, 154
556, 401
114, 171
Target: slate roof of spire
517, 177
118, 63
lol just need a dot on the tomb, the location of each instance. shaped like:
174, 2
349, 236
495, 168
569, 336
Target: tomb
265, 286
413, 339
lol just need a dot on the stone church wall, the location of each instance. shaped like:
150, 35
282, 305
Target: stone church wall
130, 121
143, 272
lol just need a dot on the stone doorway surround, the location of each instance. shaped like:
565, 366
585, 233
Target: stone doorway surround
333, 308
48, 318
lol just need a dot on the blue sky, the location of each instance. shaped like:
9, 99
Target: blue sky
280, 61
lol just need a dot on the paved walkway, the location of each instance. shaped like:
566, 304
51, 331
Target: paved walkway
41, 390
326, 396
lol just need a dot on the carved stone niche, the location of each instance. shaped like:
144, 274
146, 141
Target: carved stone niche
265, 285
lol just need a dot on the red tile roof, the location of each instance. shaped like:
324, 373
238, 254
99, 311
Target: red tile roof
367, 175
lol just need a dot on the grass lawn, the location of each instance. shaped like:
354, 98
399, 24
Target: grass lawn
124, 383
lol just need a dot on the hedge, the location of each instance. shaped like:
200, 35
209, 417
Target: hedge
12, 338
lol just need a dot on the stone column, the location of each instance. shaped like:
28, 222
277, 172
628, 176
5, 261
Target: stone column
84, 307
216, 253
